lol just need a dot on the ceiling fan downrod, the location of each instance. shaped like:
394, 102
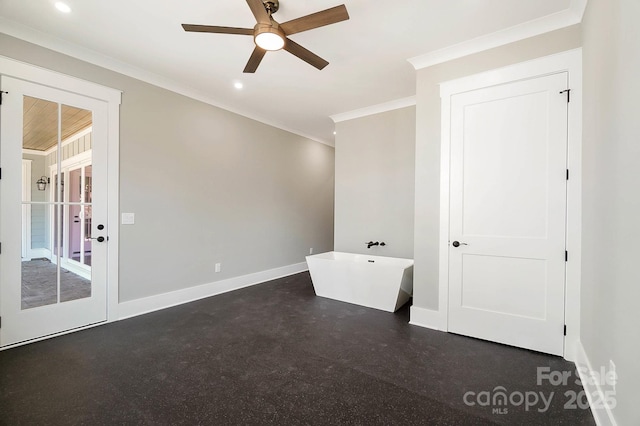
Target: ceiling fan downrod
271, 6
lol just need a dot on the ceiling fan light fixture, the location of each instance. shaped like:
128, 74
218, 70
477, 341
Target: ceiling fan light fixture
269, 37
62, 7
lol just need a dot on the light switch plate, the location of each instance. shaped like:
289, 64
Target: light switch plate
128, 218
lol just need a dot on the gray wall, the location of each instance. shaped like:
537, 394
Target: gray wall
375, 173
427, 183
611, 200
206, 185
39, 230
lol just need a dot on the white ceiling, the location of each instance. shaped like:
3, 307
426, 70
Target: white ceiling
368, 54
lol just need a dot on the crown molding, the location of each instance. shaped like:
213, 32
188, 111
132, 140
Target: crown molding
47, 41
571, 16
374, 109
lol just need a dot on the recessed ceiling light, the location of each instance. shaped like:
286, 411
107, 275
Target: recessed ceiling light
335, 133
238, 85
63, 7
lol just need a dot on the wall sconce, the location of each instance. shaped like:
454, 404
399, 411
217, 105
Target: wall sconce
42, 183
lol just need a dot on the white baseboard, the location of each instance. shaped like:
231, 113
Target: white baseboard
166, 300
427, 318
601, 413
39, 253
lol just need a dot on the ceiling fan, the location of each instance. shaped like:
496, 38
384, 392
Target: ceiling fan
270, 35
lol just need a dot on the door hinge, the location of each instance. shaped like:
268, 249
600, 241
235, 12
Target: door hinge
568, 92
2, 93
565, 329
567, 174
566, 256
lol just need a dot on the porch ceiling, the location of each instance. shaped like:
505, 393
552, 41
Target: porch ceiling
40, 126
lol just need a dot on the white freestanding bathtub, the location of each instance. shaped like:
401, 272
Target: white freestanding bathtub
378, 282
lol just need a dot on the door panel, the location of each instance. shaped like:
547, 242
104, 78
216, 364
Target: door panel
56, 289
507, 285
508, 212
505, 166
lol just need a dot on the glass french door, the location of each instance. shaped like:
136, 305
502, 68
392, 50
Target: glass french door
54, 280
74, 252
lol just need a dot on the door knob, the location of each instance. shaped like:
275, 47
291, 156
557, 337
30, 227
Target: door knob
458, 244
99, 239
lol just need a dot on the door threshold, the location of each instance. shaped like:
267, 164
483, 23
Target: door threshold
50, 336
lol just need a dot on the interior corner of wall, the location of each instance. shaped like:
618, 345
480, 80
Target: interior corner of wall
428, 318
578, 8
593, 389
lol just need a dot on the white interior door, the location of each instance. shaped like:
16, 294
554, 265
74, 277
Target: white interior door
42, 296
508, 213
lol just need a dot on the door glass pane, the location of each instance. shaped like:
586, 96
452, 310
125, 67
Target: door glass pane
75, 157
57, 215
56, 207
39, 274
87, 214
39, 268
74, 220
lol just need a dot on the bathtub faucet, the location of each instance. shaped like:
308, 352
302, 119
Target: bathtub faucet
371, 243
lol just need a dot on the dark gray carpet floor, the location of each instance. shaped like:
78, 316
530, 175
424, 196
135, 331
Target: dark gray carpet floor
275, 354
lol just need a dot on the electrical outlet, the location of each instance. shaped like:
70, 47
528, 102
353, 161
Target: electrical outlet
218, 267
311, 250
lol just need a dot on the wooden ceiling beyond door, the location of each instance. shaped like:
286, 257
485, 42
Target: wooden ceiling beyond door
40, 131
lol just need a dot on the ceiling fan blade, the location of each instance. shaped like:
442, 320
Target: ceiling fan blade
254, 60
214, 29
259, 11
315, 20
304, 54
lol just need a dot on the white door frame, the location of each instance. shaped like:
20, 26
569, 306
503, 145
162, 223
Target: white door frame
570, 62
112, 97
